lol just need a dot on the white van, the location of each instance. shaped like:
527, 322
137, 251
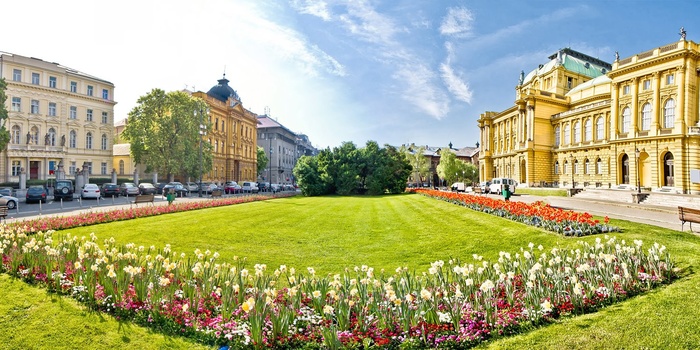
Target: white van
250, 187
497, 184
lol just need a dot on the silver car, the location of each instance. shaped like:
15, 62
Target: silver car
128, 189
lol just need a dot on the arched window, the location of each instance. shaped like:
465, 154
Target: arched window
88, 140
599, 129
587, 166
556, 168
16, 134
625, 121
104, 142
669, 113
52, 137
577, 132
646, 116
121, 166
588, 130
73, 141
567, 135
566, 167
599, 166
575, 169
34, 133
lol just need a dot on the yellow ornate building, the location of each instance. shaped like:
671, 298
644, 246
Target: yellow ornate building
56, 115
233, 135
577, 119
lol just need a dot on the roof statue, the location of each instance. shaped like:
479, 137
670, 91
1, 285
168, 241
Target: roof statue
522, 77
617, 56
682, 33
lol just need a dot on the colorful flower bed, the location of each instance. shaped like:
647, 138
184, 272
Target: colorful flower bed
102, 217
538, 214
451, 305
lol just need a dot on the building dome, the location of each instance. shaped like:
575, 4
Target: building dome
222, 91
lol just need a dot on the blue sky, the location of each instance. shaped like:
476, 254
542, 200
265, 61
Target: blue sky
392, 71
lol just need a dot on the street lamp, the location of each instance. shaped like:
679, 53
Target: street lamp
202, 133
270, 161
571, 156
636, 153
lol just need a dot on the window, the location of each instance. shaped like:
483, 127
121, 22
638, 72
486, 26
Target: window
575, 169
89, 167
89, 90
566, 167
646, 85
626, 90
88, 116
88, 140
669, 79
72, 168
599, 129
567, 135
105, 94
216, 124
73, 86
34, 108
587, 166
104, 142
121, 166
73, 140
34, 135
599, 166
556, 168
625, 120
669, 113
35, 78
16, 75
105, 119
16, 167
16, 134
73, 112
52, 137
646, 116
103, 168
16, 104
52, 82
588, 130
577, 132
569, 82
52, 109
557, 136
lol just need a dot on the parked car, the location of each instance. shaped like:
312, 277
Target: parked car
159, 187
179, 189
147, 188
497, 185
192, 186
9, 201
232, 187
6, 191
90, 191
250, 187
275, 188
36, 194
128, 189
263, 186
459, 187
63, 190
485, 186
109, 190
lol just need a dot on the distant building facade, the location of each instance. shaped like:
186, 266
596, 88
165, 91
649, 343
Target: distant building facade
57, 115
466, 154
580, 121
283, 148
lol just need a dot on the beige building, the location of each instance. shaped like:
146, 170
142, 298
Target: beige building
577, 119
56, 115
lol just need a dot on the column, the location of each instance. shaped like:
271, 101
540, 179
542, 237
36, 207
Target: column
656, 101
634, 109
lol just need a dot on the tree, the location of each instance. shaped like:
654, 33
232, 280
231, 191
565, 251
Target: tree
452, 169
163, 130
419, 162
262, 160
4, 133
309, 177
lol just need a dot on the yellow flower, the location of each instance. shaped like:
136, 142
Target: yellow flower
316, 294
328, 310
248, 305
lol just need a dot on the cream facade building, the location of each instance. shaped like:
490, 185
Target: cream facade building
579, 120
57, 115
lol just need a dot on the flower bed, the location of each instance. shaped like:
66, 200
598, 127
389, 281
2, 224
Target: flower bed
102, 217
538, 214
451, 305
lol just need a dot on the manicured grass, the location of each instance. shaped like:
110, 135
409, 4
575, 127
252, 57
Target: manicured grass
333, 233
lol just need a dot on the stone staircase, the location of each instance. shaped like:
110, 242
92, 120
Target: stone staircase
654, 199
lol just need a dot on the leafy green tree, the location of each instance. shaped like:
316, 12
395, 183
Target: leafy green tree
309, 177
398, 169
452, 169
4, 133
163, 130
262, 160
419, 162
344, 168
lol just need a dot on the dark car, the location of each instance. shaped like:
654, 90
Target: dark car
147, 188
63, 190
159, 187
36, 194
232, 187
179, 189
109, 190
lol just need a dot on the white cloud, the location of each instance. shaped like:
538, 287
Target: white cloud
421, 91
318, 8
455, 84
457, 23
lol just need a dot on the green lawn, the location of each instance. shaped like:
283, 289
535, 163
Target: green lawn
334, 233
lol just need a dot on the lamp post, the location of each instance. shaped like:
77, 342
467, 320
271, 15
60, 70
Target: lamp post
572, 169
202, 133
270, 162
639, 187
